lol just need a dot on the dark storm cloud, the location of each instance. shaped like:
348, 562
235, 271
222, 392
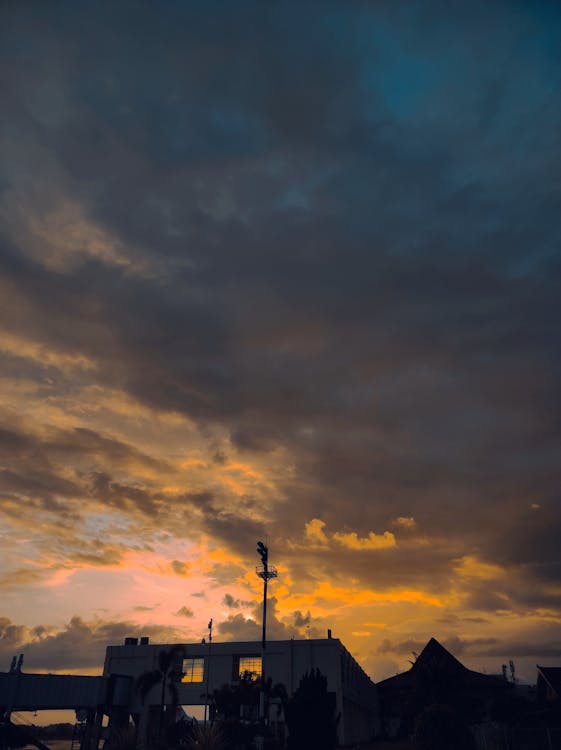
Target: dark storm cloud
540, 649
300, 620
39, 469
233, 603
455, 620
184, 612
403, 647
23, 576
237, 530
54, 443
543, 647
239, 627
118, 494
78, 645
533, 537
38, 484
346, 241
96, 552
180, 568
161, 345
527, 590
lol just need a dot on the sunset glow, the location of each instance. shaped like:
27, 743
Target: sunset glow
270, 272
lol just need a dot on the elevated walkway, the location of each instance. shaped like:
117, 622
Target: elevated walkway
38, 692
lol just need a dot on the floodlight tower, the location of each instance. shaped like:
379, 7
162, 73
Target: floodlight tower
266, 572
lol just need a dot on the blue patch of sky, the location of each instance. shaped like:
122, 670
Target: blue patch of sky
433, 87
115, 527
436, 74
302, 194
396, 78
233, 130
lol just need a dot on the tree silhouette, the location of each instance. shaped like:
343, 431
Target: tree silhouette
237, 709
310, 714
439, 727
167, 675
230, 700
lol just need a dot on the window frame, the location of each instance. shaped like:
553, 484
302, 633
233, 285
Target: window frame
237, 671
198, 666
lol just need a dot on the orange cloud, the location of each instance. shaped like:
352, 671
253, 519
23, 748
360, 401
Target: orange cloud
43, 354
372, 541
316, 537
315, 534
406, 522
470, 567
244, 469
326, 597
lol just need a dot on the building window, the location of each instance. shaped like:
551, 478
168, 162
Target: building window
193, 670
247, 665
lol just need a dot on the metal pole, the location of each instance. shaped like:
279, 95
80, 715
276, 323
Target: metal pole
265, 582
265, 573
262, 702
208, 666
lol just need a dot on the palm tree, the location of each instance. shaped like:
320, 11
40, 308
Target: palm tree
168, 674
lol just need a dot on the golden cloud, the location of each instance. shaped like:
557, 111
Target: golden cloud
372, 541
43, 354
315, 534
470, 567
406, 522
316, 537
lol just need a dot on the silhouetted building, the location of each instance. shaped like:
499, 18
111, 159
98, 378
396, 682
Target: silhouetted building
436, 678
549, 685
286, 663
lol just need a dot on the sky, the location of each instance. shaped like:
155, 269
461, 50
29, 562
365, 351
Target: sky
287, 271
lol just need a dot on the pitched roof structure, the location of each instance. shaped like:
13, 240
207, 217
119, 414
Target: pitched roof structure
437, 678
552, 677
434, 655
434, 659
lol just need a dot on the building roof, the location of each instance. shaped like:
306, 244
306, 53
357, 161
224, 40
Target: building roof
552, 675
435, 659
434, 655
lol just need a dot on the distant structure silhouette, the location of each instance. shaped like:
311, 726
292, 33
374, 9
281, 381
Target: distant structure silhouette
436, 677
